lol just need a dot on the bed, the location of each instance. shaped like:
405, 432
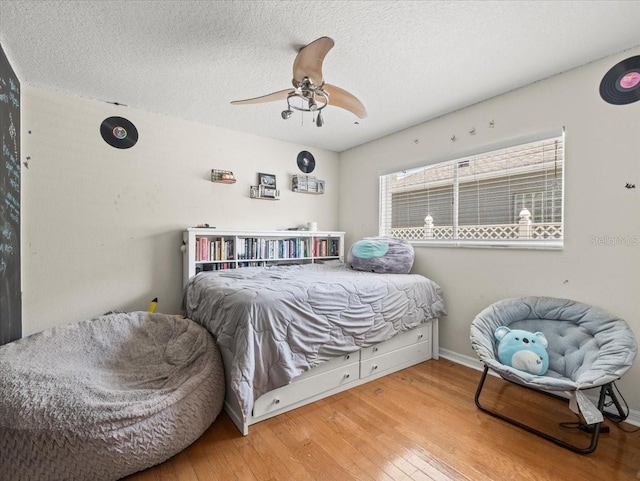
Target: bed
290, 335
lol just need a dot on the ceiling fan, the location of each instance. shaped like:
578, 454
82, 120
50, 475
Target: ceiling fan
310, 92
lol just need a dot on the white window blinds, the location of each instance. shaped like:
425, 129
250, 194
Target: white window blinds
507, 197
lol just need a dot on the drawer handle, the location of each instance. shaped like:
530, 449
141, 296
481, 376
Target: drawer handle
420, 336
375, 349
276, 401
347, 356
375, 367
346, 376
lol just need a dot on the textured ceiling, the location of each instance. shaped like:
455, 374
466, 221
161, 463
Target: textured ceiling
407, 61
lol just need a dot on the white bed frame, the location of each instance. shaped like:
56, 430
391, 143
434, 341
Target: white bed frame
404, 350
331, 377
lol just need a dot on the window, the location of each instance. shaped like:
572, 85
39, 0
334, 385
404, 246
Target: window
503, 198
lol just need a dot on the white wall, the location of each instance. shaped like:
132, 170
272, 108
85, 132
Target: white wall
102, 227
602, 155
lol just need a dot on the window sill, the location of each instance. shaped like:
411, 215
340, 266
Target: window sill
493, 244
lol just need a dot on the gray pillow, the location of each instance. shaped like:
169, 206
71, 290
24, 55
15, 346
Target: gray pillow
387, 255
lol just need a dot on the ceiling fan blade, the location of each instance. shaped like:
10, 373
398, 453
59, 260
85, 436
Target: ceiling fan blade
308, 62
280, 95
343, 99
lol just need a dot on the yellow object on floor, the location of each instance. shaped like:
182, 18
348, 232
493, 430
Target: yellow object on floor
153, 305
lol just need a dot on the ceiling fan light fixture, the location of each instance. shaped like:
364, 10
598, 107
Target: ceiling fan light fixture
302, 102
307, 101
310, 92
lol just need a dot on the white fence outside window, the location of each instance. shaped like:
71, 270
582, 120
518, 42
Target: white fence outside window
525, 230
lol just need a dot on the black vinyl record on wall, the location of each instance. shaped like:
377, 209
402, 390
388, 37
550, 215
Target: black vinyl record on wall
119, 132
306, 162
621, 84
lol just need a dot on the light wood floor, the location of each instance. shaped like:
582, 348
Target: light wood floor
417, 424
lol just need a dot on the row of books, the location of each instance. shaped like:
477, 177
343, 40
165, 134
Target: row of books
220, 249
326, 247
216, 249
259, 248
220, 266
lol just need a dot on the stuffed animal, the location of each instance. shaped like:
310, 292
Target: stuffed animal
523, 350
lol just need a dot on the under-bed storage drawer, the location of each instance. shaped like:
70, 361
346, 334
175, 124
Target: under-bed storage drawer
409, 338
327, 376
394, 360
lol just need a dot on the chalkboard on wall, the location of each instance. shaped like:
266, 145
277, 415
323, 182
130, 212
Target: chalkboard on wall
10, 287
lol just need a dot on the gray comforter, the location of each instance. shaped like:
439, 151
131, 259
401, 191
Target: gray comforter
278, 322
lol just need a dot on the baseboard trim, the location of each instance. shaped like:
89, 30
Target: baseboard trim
474, 363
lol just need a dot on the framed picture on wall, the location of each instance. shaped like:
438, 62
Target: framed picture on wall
268, 180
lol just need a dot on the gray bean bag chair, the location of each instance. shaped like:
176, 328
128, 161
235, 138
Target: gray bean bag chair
104, 398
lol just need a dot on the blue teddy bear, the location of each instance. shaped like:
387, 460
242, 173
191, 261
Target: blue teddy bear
523, 350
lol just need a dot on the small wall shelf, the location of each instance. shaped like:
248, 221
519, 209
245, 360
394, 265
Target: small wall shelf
264, 193
222, 176
266, 198
307, 184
